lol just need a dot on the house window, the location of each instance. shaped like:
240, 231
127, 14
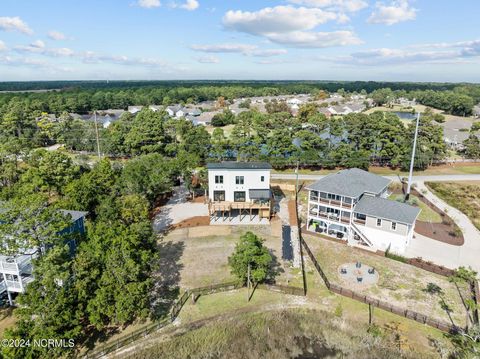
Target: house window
239, 196
379, 222
262, 178
219, 196
219, 179
394, 226
239, 179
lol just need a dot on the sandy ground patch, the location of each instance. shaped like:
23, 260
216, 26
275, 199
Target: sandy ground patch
205, 231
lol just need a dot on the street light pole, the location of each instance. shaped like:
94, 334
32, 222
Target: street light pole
410, 175
296, 181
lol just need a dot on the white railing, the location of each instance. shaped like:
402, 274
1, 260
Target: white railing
362, 236
14, 285
3, 287
15, 266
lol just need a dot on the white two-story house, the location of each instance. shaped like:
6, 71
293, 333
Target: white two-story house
237, 190
352, 205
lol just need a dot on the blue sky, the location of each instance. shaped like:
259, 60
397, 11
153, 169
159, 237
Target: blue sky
394, 40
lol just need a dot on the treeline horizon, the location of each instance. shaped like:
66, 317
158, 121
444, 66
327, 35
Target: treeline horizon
329, 85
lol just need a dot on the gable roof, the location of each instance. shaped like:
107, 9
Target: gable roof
352, 182
232, 165
387, 209
75, 214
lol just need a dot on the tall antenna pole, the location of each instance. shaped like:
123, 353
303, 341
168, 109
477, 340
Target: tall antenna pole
96, 133
410, 175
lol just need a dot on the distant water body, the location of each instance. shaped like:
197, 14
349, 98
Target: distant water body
405, 115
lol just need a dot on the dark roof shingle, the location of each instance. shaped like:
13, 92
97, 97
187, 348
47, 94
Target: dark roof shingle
384, 208
232, 165
351, 183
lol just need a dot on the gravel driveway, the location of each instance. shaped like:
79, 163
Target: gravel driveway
178, 209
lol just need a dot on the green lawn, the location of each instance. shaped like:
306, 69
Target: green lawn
386, 171
426, 215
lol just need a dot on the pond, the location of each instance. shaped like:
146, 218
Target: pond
406, 115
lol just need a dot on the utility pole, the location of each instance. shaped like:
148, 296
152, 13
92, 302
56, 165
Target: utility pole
96, 133
296, 181
410, 175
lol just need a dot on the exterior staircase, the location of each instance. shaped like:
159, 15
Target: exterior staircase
362, 236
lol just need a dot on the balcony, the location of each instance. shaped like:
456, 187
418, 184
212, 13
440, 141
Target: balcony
330, 216
14, 265
359, 221
331, 202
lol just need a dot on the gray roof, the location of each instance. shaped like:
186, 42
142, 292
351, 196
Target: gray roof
259, 193
351, 183
231, 165
75, 214
384, 208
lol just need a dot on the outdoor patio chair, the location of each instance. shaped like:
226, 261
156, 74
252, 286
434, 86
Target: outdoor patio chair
359, 279
358, 264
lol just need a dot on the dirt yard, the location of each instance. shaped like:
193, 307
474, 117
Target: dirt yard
198, 256
399, 283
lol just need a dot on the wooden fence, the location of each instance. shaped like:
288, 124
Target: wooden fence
101, 351
407, 313
285, 289
175, 311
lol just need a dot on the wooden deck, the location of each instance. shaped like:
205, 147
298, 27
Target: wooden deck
226, 208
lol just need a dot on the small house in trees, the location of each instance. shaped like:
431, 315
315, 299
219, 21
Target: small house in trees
16, 271
239, 192
352, 205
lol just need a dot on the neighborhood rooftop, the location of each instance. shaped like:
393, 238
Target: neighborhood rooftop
387, 209
231, 165
75, 214
351, 183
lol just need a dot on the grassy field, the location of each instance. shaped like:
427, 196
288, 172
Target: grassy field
465, 196
199, 256
399, 283
466, 168
426, 215
269, 335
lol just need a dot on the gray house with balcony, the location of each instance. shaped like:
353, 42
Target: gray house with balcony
352, 205
16, 271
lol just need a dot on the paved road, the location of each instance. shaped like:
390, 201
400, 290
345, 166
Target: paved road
445, 254
436, 178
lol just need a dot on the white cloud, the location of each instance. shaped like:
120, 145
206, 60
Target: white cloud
440, 53
397, 11
190, 5
292, 26
306, 39
269, 52
148, 4
224, 48
245, 49
56, 35
14, 24
22, 61
344, 5
3, 46
279, 19
208, 59
38, 47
